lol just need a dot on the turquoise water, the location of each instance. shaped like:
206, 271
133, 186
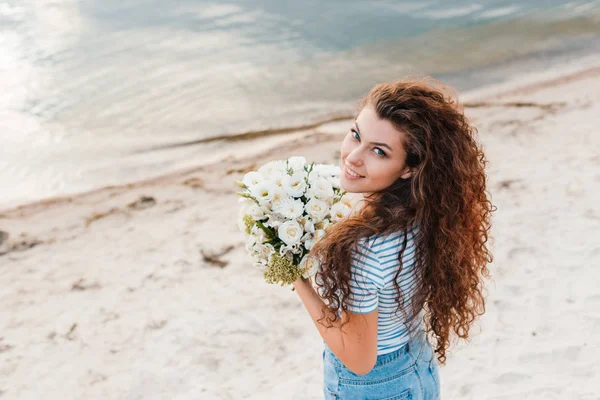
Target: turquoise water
96, 92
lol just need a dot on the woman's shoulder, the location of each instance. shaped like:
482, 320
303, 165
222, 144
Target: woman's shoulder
382, 245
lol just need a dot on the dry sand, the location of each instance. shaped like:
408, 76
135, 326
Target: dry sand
105, 296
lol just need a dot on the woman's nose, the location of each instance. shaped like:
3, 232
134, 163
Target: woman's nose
355, 157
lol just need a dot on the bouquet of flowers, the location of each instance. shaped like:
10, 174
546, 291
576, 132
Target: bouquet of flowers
286, 207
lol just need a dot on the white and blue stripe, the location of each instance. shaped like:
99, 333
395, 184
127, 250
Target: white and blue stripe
373, 268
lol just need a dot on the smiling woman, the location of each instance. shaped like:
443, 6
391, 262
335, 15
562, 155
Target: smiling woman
405, 272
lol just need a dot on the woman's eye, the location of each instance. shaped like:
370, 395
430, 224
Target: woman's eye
378, 151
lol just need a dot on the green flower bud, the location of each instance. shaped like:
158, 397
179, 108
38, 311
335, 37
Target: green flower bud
248, 222
281, 270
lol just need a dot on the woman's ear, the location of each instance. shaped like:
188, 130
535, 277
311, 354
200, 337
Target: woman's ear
406, 174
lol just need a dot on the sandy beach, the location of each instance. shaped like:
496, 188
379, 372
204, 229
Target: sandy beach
144, 291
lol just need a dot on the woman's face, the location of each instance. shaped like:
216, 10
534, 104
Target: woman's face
374, 150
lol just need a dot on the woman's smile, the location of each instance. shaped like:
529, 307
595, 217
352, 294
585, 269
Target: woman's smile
350, 174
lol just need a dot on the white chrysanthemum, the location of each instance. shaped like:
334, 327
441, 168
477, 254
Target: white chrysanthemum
320, 188
253, 178
294, 185
290, 232
296, 163
263, 191
290, 208
339, 211
273, 168
309, 265
317, 209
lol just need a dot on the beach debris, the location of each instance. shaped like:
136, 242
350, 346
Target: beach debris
69, 334
194, 183
507, 183
176, 206
4, 346
81, 286
24, 242
214, 258
110, 316
155, 325
142, 203
96, 377
97, 216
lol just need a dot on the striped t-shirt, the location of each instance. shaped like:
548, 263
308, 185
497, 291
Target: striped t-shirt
373, 268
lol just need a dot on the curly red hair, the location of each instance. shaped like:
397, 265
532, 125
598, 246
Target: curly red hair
445, 197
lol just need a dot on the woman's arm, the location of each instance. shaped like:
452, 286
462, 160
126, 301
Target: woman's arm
356, 345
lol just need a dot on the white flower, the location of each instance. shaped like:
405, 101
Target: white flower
309, 226
296, 163
294, 185
251, 208
290, 250
279, 195
263, 251
309, 244
290, 208
319, 235
256, 212
335, 182
350, 200
309, 265
320, 187
317, 209
338, 211
252, 178
327, 169
263, 191
258, 234
277, 178
273, 168
290, 232
274, 221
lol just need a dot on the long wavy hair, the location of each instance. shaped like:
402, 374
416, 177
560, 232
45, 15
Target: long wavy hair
445, 197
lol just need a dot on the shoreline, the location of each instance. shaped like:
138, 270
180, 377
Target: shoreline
585, 68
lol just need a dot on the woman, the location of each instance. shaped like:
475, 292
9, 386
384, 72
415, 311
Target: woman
404, 272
